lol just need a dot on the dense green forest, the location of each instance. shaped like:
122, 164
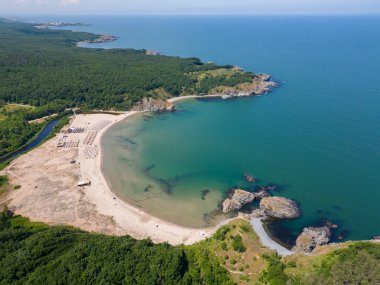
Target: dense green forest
41, 65
45, 69
33, 253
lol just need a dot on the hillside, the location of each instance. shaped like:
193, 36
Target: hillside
34, 253
45, 69
41, 65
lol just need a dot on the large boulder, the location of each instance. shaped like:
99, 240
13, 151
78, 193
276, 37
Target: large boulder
237, 199
153, 105
279, 208
310, 238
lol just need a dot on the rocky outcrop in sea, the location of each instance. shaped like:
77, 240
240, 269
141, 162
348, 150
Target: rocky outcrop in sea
237, 199
279, 208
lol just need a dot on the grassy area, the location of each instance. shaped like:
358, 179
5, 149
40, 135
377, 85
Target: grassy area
14, 107
226, 72
7, 109
4, 186
239, 250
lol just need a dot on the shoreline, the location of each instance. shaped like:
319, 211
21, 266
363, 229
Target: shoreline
50, 193
153, 227
99, 208
265, 238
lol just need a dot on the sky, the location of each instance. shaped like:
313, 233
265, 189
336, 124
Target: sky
178, 7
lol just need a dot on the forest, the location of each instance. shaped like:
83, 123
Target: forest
34, 253
39, 66
45, 69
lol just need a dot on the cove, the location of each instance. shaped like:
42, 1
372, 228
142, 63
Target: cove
318, 136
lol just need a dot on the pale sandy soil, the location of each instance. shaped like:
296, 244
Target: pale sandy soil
40, 120
181, 98
49, 191
266, 239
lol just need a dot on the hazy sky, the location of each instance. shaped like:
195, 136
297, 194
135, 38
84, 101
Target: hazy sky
17, 7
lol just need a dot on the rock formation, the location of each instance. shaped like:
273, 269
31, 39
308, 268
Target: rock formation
261, 84
237, 199
279, 208
153, 105
310, 238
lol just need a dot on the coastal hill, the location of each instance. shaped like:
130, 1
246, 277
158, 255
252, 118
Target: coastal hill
42, 65
35, 253
46, 69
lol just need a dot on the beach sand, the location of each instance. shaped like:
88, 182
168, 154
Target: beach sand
266, 240
49, 192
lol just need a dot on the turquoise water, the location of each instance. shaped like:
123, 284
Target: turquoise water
318, 135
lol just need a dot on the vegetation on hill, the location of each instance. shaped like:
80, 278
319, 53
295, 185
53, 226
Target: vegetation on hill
33, 253
45, 69
41, 65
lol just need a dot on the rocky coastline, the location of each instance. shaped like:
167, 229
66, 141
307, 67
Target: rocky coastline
148, 104
272, 208
101, 39
261, 84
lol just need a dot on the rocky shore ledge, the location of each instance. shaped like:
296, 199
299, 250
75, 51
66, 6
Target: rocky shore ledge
312, 237
148, 104
102, 39
279, 208
261, 84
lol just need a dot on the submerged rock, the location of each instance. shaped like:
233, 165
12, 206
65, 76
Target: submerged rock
237, 199
153, 105
310, 238
279, 208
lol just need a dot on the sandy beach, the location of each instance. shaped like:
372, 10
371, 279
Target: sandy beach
49, 177
266, 239
182, 98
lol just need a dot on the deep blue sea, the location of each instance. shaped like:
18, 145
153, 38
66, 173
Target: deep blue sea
318, 135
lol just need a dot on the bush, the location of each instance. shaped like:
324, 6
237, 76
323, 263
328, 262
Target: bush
237, 244
274, 273
246, 228
221, 233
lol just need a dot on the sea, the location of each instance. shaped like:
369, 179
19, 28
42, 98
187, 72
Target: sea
317, 136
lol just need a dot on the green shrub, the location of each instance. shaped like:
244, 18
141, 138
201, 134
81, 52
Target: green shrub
246, 228
221, 233
237, 244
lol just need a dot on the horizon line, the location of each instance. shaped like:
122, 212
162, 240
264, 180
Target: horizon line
200, 14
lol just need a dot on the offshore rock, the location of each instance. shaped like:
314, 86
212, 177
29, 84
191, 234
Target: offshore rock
279, 208
312, 237
237, 199
153, 105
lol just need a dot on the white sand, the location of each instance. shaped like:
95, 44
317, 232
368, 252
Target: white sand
266, 239
50, 194
181, 98
49, 191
